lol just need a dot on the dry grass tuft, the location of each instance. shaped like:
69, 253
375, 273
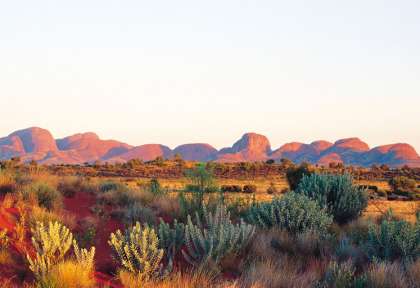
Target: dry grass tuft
413, 273
70, 274
385, 275
184, 280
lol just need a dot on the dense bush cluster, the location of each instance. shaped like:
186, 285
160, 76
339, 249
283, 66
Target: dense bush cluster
293, 212
336, 193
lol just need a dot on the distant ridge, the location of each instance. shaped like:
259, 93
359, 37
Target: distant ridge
39, 145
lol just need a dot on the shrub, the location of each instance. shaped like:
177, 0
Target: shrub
249, 189
85, 258
51, 244
295, 174
209, 242
336, 193
155, 187
401, 184
293, 212
171, 239
136, 212
69, 186
393, 239
231, 188
7, 183
201, 177
138, 252
46, 195
88, 228
112, 186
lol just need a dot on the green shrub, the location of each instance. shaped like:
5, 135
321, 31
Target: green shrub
293, 212
295, 173
87, 234
209, 242
336, 193
171, 239
393, 239
138, 251
112, 186
136, 212
155, 187
201, 177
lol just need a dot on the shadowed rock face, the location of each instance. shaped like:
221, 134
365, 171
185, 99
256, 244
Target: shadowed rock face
91, 148
38, 144
146, 152
35, 140
196, 152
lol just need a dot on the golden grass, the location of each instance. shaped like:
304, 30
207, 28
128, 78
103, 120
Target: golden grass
184, 280
40, 214
402, 209
70, 274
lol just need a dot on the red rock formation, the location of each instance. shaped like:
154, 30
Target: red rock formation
251, 147
39, 145
91, 148
196, 152
146, 152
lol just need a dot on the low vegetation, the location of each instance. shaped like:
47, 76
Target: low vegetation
82, 231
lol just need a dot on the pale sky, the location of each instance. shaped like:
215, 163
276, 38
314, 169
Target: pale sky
175, 72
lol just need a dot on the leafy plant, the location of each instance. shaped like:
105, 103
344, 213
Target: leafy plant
336, 193
171, 239
293, 212
209, 242
155, 187
84, 257
393, 239
136, 212
138, 251
51, 244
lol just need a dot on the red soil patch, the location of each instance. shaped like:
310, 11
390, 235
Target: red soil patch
80, 206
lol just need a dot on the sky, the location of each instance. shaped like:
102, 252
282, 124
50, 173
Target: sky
177, 72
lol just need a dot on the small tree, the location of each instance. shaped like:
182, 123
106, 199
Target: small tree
201, 177
294, 174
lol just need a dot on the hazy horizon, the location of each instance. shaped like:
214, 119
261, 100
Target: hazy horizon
175, 72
